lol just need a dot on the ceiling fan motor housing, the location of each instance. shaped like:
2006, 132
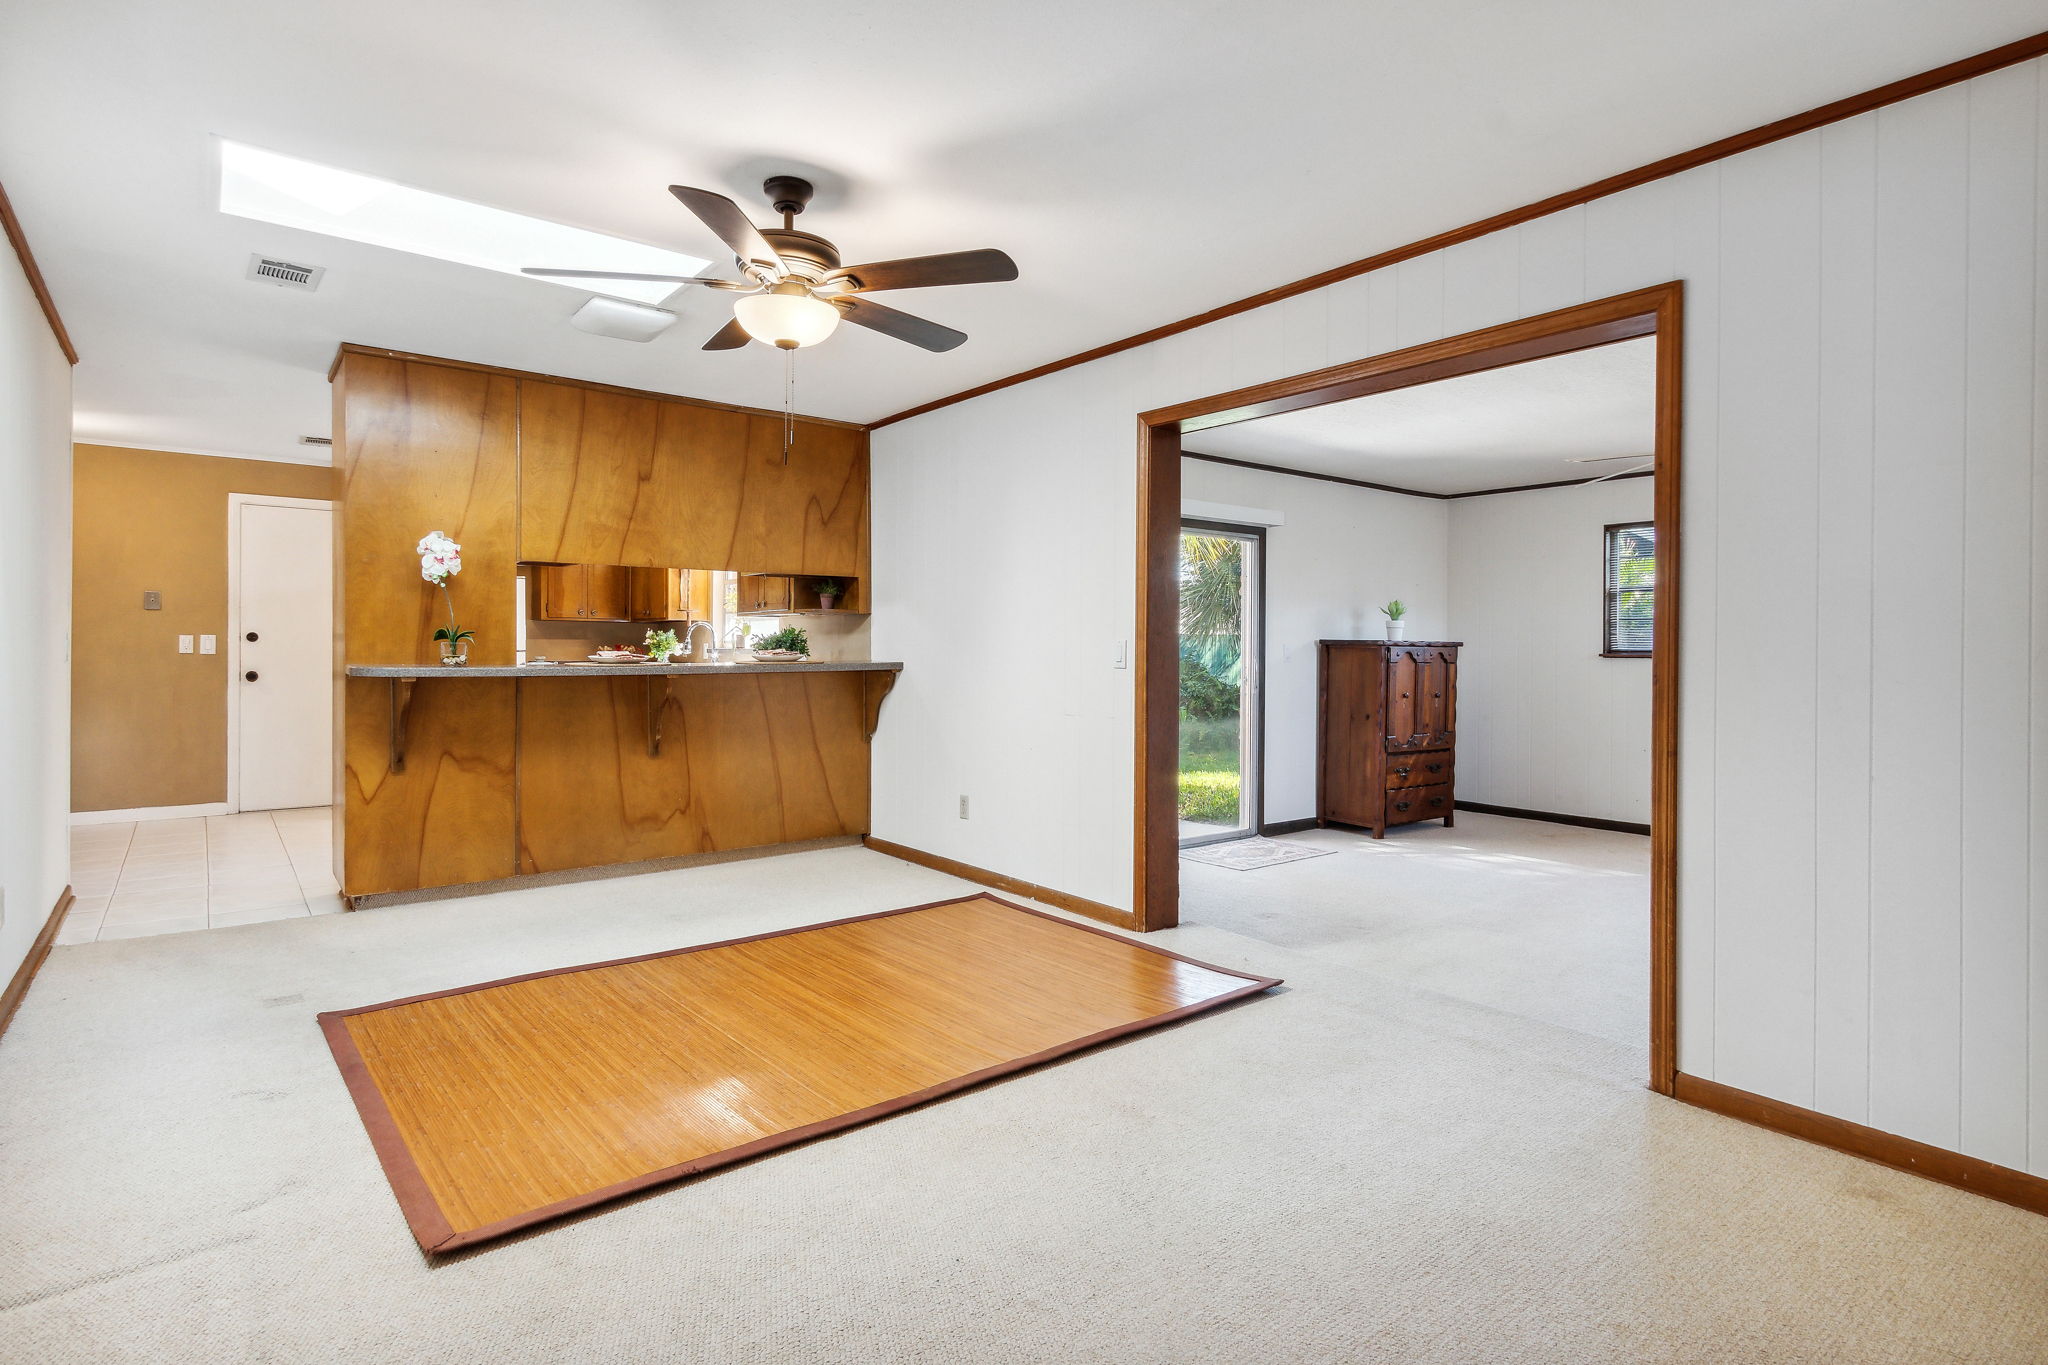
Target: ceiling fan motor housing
806, 254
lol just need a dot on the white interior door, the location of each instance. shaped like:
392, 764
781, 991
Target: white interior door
284, 656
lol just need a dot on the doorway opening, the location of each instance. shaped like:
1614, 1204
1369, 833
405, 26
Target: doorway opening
1651, 313
1222, 577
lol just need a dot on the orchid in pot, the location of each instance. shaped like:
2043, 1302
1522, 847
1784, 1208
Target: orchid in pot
441, 560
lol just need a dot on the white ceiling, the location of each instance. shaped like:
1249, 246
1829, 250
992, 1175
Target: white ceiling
1504, 428
1141, 160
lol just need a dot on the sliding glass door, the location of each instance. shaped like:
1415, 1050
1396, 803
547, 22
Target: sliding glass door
1221, 594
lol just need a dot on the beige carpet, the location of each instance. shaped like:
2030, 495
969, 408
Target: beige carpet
1399, 1176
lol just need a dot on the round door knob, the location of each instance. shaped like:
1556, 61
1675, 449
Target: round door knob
250, 676
251, 637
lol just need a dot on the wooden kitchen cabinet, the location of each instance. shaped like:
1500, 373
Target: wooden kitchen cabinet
767, 594
583, 592
614, 477
670, 594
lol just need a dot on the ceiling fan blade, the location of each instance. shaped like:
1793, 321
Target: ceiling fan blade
730, 337
626, 275
903, 326
733, 227
987, 266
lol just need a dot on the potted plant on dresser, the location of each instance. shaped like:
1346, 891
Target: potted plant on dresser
1395, 613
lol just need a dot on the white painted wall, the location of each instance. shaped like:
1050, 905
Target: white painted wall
1545, 723
35, 616
1340, 554
1863, 858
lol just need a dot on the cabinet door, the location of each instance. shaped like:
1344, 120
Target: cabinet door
563, 592
608, 592
1435, 683
1403, 708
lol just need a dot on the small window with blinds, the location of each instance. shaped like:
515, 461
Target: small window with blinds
1631, 597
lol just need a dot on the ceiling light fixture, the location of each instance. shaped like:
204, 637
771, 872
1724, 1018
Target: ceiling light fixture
787, 316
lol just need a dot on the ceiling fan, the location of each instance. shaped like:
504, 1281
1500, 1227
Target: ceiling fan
796, 291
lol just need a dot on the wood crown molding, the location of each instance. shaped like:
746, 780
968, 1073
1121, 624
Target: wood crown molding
10, 999
36, 283
349, 348
2025, 49
1016, 886
1993, 1181
1407, 492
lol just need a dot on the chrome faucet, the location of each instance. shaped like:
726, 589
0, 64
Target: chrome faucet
690, 633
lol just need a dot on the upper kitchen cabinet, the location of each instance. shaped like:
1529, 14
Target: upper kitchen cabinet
614, 478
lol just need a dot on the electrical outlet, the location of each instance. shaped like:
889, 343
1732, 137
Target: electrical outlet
963, 808
209, 644
184, 644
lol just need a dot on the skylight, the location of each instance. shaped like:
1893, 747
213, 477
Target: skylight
304, 194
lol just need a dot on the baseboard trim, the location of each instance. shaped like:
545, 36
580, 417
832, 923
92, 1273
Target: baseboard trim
1288, 826
10, 999
2007, 1186
120, 817
1016, 886
1583, 821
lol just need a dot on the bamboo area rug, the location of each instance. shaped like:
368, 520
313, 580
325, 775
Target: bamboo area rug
499, 1105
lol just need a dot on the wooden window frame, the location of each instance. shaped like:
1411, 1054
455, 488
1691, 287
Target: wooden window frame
1608, 591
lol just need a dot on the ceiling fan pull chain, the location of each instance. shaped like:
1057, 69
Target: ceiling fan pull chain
788, 401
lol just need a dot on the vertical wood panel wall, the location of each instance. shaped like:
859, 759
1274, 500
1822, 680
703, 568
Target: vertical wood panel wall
1864, 772
519, 467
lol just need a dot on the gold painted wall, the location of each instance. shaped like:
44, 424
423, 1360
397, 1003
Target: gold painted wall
148, 724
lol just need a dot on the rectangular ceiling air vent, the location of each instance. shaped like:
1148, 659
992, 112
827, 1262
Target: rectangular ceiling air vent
285, 274
316, 440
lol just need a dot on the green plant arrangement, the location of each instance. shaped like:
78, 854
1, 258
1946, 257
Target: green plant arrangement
790, 638
1394, 611
829, 591
661, 645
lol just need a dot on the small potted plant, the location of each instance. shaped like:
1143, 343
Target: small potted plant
1394, 611
783, 646
441, 560
829, 591
662, 646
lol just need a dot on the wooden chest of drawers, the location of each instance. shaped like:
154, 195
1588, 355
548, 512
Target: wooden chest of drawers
1386, 732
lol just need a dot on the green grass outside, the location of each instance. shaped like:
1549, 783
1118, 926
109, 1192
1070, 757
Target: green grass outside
1208, 771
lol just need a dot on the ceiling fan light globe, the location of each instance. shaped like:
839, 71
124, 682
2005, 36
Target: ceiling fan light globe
786, 320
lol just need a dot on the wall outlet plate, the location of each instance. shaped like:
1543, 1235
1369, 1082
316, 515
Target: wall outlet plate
963, 808
184, 644
209, 644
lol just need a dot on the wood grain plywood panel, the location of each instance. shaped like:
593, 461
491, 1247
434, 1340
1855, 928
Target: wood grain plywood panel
496, 1106
612, 479
449, 817
425, 448
743, 762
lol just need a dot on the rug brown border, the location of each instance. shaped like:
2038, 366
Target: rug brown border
431, 1228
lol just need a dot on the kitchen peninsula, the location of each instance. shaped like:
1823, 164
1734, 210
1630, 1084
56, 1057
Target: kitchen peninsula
446, 776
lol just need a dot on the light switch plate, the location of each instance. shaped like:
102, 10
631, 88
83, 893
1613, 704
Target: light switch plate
184, 644
1123, 654
209, 644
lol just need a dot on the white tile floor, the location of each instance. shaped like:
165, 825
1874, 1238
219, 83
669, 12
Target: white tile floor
167, 876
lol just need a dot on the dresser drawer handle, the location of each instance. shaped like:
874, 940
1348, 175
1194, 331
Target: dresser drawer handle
1402, 772
1401, 805
1434, 767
